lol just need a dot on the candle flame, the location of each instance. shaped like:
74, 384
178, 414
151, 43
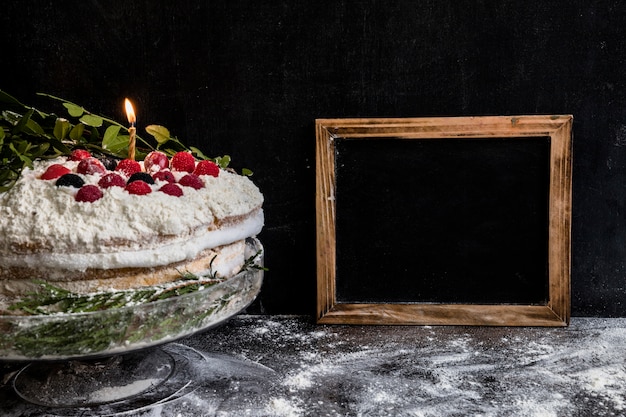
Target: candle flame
130, 112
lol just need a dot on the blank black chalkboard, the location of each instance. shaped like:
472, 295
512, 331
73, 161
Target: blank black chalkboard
452, 220
444, 220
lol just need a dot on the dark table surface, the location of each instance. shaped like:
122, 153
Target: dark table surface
289, 366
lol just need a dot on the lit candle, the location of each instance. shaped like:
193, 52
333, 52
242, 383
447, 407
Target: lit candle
130, 113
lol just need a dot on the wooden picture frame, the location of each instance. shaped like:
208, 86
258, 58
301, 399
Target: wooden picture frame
555, 311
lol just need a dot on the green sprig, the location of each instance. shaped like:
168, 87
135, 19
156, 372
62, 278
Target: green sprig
27, 134
50, 299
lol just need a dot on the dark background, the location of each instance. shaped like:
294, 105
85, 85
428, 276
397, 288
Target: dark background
445, 220
249, 78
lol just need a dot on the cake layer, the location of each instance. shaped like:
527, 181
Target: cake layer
171, 250
224, 261
38, 216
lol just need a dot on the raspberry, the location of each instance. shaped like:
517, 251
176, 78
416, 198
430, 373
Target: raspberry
111, 180
171, 189
70, 180
155, 161
139, 188
79, 154
88, 194
164, 176
191, 180
90, 165
183, 161
55, 171
128, 167
207, 168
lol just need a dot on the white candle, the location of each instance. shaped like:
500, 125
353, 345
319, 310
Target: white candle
130, 113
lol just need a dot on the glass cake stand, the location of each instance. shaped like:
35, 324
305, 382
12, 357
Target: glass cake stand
121, 353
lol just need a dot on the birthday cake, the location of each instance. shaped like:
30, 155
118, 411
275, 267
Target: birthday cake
90, 224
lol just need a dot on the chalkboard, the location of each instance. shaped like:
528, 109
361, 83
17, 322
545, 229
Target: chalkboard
444, 220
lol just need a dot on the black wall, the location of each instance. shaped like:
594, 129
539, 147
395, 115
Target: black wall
248, 79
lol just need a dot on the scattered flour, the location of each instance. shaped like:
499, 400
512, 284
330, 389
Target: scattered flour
608, 383
421, 372
281, 407
107, 394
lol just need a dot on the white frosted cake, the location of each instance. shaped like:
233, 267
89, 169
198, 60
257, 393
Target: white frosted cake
85, 227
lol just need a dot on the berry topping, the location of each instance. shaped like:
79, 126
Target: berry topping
70, 180
183, 161
88, 194
79, 154
141, 176
207, 168
139, 188
128, 167
191, 180
111, 180
155, 161
55, 171
164, 175
109, 162
90, 165
171, 189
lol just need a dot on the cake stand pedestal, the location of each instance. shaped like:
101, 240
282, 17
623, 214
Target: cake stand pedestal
135, 366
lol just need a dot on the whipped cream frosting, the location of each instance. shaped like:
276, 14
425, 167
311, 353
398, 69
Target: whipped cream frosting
42, 224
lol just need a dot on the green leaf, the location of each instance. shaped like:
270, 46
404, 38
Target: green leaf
9, 99
198, 152
61, 128
39, 150
33, 127
21, 122
74, 110
92, 120
2, 135
95, 135
160, 133
110, 137
20, 151
117, 144
77, 132
58, 147
223, 161
19, 146
246, 172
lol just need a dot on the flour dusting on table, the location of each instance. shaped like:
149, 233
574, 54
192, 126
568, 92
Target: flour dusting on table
289, 367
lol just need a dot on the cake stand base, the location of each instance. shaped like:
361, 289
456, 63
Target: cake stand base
118, 384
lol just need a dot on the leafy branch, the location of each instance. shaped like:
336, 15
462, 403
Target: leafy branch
251, 263
51, 299
27, 134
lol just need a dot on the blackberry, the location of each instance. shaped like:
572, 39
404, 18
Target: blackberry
109, 162
70, 180
141, 176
